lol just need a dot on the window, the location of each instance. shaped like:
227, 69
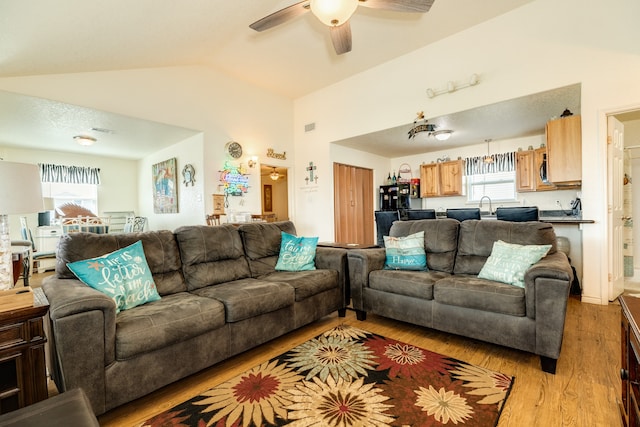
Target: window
493, 176
85, 195
499, 186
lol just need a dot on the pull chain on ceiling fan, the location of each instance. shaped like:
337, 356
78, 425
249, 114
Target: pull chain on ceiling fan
336, 14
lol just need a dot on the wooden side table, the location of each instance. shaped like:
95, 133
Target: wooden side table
23, 371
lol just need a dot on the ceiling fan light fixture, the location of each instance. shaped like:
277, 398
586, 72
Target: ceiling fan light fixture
442, 135
85, 140
274, 176
333, 12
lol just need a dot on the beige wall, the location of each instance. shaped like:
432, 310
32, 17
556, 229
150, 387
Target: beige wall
543, 45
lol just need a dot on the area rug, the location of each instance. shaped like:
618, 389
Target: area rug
350, 377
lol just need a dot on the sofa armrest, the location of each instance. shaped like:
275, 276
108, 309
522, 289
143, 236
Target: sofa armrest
547, 285
334, 259
83, 327
361, 263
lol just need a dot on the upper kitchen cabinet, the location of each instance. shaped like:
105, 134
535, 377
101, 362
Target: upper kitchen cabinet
564, 150
531, 169
441, 179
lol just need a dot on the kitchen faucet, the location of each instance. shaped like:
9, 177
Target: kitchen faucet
490, 208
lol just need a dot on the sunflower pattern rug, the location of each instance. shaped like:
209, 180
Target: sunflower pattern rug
350, 377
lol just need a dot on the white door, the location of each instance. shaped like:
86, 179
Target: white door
616, 220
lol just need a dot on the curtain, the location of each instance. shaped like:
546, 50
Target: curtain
505, 162
69, 174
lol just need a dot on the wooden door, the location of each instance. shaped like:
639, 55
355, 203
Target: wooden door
540, 158
525, 180
616, 219
353, 204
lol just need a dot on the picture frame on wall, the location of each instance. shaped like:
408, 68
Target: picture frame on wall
165, 189
267, 198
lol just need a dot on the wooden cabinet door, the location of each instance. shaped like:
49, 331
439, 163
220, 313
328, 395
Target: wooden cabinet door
525, 179
539, 158
429, 180
564, 150
451, 178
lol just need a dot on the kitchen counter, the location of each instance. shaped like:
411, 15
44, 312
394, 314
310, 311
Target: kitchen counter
551, 216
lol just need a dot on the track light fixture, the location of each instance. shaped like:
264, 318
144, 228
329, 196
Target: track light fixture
452, 87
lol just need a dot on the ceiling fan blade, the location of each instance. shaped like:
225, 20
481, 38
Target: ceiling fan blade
419, 6
281, 16
341, 38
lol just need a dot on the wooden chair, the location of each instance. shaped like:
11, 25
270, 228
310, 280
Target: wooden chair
213, 219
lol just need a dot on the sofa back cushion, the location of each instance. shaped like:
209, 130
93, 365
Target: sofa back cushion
477, 238
160, 249
261, 242
211, 255
440, 240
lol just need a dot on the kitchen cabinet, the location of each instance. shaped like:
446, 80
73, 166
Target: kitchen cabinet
529, 166
564, 150
441, 179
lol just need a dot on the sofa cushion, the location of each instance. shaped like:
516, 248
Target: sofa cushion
477, 238
123, 275
172, 319
405, 253
160, 248
248, 298
306, 283
211, 255
509, 262
261, 242
418, 284
296, 253
440, 240
480, 294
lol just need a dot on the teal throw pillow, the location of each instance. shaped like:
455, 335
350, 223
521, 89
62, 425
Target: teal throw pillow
297, 253
405, 253
509, 262
123, 275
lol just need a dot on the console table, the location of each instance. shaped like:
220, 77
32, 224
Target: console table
23, 372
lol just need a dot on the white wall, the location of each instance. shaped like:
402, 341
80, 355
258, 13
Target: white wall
117, 192
543, 45
196, 97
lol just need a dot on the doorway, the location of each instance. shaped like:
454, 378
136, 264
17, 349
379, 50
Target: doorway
353, 204
274, 188
626, 253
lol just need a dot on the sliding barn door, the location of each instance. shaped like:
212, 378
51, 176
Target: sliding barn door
353, 204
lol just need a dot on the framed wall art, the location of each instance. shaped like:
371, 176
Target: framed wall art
267, 198
165, 189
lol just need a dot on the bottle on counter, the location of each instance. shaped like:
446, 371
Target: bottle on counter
389, 179
394, 180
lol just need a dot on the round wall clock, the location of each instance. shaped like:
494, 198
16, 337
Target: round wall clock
233, 149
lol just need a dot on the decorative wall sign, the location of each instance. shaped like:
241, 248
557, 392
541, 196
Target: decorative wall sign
274, 155
165, 194
267, 196
188, 175
234, 179
312, 178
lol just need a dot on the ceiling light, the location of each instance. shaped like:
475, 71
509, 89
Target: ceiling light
442, 135
333, 12
274, 175
85, 140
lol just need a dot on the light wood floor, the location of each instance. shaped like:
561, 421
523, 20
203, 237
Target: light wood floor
584, 391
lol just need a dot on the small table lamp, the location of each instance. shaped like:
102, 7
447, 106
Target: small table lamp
20, 193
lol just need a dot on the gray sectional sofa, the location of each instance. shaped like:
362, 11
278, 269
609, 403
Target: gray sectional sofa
220, 295
450, 297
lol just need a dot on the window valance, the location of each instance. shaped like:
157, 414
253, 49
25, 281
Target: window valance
504, 162
69, 174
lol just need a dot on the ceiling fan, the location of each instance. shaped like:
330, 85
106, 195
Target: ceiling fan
336, 14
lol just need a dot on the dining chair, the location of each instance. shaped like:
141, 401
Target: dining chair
213, 219
463, 214
518, 214
384, 220
420, 214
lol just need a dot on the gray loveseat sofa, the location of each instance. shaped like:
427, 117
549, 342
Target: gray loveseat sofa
451, 298
220, 295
